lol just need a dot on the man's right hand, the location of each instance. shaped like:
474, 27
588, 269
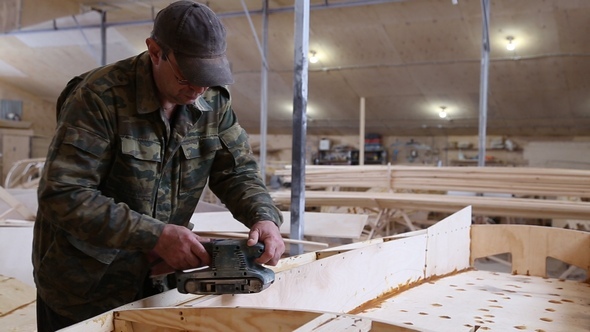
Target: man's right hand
181, 249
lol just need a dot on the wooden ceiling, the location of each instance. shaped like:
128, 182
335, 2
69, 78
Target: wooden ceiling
406, 58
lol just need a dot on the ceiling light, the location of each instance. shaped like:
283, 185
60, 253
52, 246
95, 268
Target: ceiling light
442, 113
511, 45
313, 58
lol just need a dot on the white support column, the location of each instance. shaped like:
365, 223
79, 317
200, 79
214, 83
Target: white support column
362, 133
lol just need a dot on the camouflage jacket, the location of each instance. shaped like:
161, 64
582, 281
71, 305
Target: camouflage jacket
117, 171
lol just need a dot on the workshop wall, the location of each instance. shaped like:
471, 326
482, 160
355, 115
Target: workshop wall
445, 150
39, 113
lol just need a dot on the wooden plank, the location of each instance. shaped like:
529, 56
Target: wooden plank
531, 245
337, 225
230, 235
517, 181
15, 205
242, 319
14, 294
21, 320
490, 206
214, 319
17, 305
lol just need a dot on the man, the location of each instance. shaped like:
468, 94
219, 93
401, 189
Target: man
135, 144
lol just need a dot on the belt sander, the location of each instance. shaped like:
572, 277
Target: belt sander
233, 270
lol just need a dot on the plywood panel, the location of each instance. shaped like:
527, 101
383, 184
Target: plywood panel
339, 283
530, 246
493, 301
448, 244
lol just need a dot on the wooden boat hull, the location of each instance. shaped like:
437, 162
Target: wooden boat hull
422, 281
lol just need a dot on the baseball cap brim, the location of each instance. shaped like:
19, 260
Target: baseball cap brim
205, 72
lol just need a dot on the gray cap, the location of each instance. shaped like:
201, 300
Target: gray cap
196, 36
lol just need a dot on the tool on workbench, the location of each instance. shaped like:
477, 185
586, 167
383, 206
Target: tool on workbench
233, 270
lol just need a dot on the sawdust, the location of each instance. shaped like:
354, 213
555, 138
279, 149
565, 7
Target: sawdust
377, 301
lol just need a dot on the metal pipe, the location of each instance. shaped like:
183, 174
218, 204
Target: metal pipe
103, 37
299, 124
483, 90
264, 91
362, 133
221, 15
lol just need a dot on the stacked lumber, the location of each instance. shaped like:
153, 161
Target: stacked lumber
490, 206
517, 181
537, 193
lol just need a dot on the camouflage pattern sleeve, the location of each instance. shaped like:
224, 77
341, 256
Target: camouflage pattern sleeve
235, 176
79, 160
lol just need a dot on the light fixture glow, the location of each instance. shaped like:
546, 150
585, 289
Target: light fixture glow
313, 58
442, 113
511, 45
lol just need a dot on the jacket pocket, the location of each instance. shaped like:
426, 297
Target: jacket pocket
141, 149
135, 170
103, 255
198, 158
85, 140
71, 270
236, 140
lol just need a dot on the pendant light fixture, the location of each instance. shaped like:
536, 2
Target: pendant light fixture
511, 45
442, 113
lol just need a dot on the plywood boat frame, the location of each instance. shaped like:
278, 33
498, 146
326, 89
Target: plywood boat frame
418, 281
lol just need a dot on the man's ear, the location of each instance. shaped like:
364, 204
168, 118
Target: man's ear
154, 50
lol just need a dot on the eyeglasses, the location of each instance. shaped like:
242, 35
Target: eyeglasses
179, 80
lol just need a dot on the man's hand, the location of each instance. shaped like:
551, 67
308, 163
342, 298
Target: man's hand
181, 249
267, 232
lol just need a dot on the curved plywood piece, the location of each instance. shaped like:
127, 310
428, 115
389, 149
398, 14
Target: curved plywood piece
531, 245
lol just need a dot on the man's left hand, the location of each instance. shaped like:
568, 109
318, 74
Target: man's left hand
267, 232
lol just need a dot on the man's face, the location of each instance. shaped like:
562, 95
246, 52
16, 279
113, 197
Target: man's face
181, 91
